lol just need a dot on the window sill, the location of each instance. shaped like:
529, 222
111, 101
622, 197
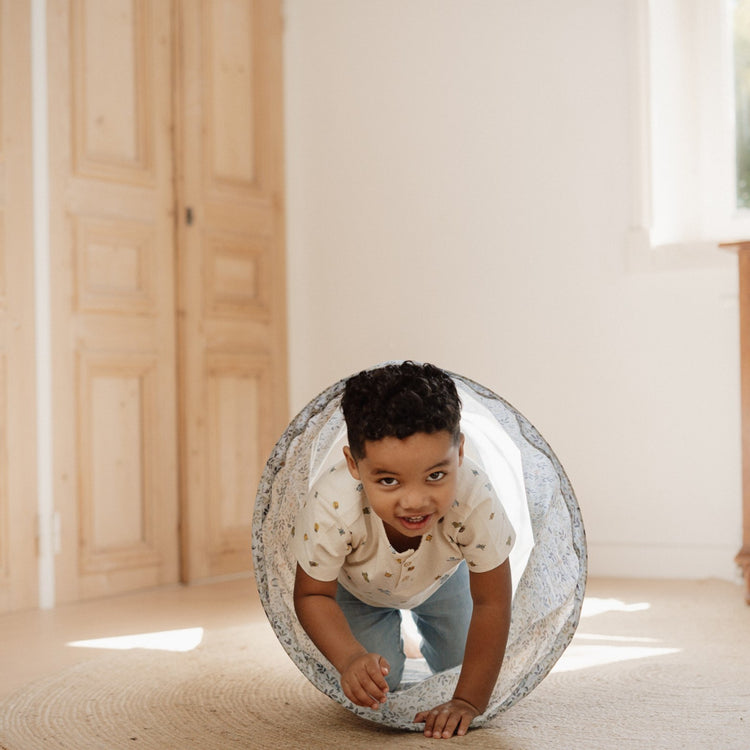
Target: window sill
644, 257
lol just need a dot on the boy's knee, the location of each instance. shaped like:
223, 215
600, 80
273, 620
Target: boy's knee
445, 658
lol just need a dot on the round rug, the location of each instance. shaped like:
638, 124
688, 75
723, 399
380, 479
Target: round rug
234, 690
686, 688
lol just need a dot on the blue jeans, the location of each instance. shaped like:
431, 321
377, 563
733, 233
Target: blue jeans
442, 620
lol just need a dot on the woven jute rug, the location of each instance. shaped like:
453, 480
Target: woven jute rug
654, 665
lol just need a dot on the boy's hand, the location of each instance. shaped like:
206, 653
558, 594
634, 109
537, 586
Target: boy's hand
446, 719
363, 680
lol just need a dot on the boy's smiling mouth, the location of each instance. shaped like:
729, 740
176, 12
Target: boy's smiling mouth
415, 523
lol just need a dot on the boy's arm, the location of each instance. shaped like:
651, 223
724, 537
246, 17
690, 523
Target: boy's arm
483, 656
362, 673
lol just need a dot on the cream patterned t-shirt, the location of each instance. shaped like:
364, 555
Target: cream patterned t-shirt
337, 536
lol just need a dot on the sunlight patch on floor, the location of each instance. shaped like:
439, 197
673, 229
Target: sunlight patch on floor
593, 606
167, 640
608, 649
621, 638
584, 656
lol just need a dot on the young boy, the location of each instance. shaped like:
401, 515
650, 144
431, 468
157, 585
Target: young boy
404, 522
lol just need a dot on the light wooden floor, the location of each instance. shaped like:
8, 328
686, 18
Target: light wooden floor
34, 643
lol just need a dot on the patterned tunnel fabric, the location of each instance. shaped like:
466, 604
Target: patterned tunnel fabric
548, 561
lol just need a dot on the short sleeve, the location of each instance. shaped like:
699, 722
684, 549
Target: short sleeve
486, 536
320, 541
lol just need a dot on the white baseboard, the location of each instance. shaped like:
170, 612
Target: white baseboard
614, 560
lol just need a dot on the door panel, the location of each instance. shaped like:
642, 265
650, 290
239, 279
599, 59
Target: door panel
233, 401
120, 417
18, 507
121, 74
113, 294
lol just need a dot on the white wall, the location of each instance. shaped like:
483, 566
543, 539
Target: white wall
459, 185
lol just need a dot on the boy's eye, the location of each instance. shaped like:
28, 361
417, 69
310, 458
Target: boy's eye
388, 481
436, 476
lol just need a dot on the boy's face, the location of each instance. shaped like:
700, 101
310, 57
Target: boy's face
409, 483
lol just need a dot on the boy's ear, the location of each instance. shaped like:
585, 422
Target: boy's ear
461, 449
351, 463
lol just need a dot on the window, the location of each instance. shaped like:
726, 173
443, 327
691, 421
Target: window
741, 63
692, 185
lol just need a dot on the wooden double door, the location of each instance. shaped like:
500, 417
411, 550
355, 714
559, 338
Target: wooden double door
168, 346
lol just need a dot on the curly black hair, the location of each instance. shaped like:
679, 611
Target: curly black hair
399, 400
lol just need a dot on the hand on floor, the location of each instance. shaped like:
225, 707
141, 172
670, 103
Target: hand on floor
446, 719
